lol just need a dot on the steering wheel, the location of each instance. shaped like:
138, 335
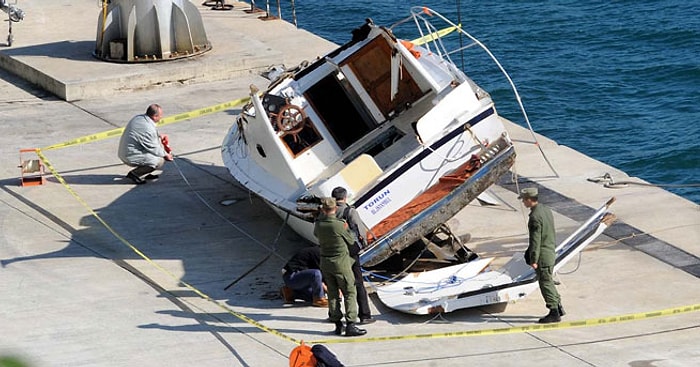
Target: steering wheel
291, 119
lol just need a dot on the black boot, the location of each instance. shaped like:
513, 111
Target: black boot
339, 328
552, 316
561, 310
352, 330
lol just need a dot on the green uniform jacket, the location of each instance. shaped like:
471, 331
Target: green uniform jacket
336, 266
541, 245
334, 239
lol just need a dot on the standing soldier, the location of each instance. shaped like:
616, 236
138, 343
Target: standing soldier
540, 252
334, 239
352, 218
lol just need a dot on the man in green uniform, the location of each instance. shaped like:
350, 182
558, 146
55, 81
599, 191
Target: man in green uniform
350, 215
540, 252
334, 237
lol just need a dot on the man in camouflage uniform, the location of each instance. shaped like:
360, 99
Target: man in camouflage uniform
352, 218
334, 237
540, 252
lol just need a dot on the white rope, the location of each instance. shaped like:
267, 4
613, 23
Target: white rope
238, 228
416, 11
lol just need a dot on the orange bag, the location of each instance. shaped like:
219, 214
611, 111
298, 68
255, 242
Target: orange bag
302, 356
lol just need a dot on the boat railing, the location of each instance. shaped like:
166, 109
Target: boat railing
424, 19
221, 5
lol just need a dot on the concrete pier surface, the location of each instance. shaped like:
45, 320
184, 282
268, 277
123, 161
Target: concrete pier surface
112, 274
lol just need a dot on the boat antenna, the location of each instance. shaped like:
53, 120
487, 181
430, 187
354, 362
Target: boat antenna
416, 11
461, 39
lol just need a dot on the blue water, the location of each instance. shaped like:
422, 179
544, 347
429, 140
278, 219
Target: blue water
616, 80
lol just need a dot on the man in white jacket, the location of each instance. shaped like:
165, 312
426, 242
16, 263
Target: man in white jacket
141, 146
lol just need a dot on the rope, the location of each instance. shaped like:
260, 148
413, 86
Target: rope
401, 273
417, 13
243, 232
261, 261
611, 183
272, 249
460, 158
160, 268
578, 265
613, 242
633, 235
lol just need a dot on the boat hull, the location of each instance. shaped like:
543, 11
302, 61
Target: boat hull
439, 212
422, 223
410, 137
448, 289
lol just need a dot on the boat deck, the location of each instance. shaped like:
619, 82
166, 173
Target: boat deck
74, 294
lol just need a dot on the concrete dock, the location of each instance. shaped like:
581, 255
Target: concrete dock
99, 272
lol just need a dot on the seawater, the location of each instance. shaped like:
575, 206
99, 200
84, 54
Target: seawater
616, 80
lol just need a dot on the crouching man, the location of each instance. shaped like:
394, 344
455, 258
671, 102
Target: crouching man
141, 146
302, 278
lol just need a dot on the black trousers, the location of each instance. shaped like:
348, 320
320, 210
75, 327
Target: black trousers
144, 170
363, 311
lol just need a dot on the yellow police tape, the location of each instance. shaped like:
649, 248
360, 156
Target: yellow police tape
244, 318
238, 315
164, 121
453, 334
520, 329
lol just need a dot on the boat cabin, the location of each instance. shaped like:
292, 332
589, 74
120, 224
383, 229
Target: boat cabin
345, 119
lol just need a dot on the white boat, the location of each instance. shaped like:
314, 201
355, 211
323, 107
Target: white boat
467, 285
395, 122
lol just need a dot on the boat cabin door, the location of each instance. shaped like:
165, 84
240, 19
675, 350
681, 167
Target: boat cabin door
340, 108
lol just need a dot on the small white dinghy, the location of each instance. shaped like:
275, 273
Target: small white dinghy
466, 285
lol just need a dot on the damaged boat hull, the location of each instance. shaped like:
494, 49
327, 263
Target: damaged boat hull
443, 290
387, 120
426, 221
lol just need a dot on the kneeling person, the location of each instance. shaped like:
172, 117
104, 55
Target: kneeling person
302, 278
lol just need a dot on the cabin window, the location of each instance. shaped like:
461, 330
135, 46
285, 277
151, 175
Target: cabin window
333, 100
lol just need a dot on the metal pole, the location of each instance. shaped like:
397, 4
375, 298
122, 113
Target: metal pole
104, 24
279, 10
459, 21
253, 8
294, 14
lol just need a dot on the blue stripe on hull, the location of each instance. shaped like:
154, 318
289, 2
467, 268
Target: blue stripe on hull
419, 157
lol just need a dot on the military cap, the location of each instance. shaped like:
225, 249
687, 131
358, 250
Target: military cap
528, 193
327, 203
